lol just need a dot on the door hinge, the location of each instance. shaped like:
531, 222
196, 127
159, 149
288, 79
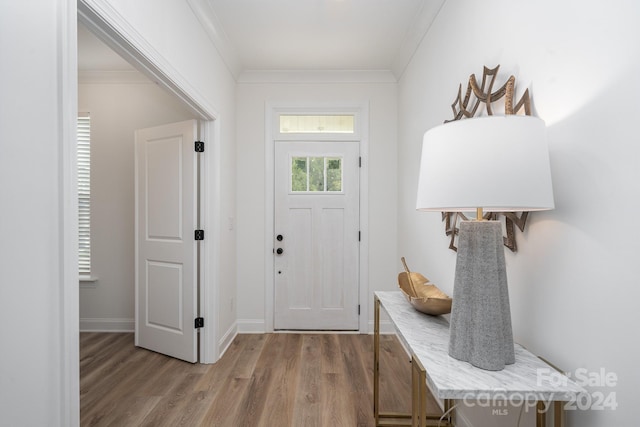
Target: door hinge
198, 234
199, 146
359, 235
358, 309
198, 323
360, 161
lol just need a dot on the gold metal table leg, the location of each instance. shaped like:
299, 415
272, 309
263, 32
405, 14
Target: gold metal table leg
558, 414
541, 415
418, 416
390, 418
415, 395
418, 393
450, 413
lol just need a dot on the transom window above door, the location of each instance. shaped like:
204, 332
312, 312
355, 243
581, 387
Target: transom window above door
317, 123
316, 175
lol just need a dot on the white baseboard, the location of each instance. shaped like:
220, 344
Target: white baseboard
107, 325
257, 326
251, 326
227, 339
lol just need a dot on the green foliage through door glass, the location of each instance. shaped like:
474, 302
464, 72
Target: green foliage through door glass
299, 174
316, 174
334, 174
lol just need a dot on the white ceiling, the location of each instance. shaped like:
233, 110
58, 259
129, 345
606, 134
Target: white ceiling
298, 34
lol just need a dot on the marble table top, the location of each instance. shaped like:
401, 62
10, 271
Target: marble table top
427, 337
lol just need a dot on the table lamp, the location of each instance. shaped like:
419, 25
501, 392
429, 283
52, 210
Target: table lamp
484, 164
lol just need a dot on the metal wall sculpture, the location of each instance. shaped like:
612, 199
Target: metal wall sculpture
475, 97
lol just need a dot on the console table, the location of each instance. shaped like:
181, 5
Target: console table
426, 338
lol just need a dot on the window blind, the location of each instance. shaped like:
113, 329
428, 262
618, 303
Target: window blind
84, 194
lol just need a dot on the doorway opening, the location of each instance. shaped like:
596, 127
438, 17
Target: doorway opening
125, 44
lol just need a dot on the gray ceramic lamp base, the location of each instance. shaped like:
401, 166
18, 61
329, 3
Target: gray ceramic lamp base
480, 325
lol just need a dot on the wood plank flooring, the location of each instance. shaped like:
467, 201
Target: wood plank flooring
270, 380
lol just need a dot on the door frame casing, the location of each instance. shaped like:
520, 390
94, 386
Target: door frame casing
272, 110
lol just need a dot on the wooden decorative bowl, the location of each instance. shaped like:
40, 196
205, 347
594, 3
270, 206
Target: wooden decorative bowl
423, 295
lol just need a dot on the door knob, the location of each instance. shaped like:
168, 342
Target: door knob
279, 251
279, 237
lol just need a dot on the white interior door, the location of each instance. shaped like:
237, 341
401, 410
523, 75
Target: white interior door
316, 238
166, 252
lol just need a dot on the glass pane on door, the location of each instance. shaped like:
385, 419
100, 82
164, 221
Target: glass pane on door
316, 174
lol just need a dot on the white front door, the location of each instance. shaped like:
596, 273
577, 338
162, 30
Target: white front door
166, 185
316, 241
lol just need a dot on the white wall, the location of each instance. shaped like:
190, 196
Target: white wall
34, 191
38, 277
573, 282
117, 109
380, 96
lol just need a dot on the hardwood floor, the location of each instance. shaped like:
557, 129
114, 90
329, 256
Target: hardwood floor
270, 380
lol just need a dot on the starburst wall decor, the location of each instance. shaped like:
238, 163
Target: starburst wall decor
474, 97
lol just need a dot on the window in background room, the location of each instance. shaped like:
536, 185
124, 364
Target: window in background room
84, 195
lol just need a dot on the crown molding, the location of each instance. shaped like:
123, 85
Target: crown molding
204, 12
316, 76
211, 24
414, 38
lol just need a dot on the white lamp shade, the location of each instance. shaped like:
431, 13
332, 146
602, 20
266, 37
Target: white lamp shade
498, 163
